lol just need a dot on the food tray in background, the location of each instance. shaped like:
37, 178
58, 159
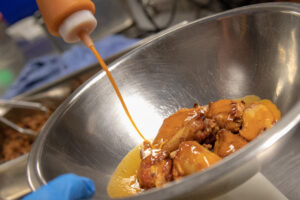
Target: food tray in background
13, 182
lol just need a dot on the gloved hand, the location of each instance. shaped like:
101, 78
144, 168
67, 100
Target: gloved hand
64, 187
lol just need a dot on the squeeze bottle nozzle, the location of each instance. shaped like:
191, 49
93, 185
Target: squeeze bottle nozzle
70, 19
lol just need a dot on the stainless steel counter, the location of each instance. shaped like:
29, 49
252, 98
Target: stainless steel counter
13, 184
284, 169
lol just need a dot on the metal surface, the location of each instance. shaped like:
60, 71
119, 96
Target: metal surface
256, 188
13, 184
281, 166
250, 50
21, 104
16, 127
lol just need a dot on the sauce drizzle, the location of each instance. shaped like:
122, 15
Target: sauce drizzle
89, 43
111, 79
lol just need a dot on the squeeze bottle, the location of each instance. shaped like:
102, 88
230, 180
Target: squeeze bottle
70, 19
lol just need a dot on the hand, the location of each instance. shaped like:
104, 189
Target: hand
64, 187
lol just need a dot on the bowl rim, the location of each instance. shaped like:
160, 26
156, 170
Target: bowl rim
281, 129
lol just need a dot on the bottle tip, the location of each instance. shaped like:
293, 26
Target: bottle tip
86, 39
77, 22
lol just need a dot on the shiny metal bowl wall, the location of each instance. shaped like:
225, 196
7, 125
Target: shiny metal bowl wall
250, 50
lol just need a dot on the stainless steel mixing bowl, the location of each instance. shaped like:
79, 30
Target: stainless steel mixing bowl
250, 50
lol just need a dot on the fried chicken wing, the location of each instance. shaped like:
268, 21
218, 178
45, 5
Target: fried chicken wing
228, 143
185, 124
191, 130
272, 107
173, 124
192, 157
155, 168
256, 118
227, 113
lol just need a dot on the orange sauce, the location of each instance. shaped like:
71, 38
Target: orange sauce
124, 182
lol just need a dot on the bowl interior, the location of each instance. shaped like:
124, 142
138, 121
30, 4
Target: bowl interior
243, 52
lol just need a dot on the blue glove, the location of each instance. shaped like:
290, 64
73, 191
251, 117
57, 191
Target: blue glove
64, 187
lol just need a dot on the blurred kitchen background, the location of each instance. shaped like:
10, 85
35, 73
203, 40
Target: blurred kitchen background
30, 57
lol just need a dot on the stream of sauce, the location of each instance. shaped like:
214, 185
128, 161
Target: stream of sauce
111, 79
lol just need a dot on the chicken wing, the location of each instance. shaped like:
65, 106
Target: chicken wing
185, 124
227, 113
272, 108
192, 157
228, 143
256, 119
155, 168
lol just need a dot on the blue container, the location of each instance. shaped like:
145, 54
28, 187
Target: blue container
15, 10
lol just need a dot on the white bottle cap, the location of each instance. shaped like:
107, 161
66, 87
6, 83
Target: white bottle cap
79, 21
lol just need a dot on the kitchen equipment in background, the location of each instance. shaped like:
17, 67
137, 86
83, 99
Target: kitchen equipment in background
229, 55
11, 58
24, 105
156, 15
